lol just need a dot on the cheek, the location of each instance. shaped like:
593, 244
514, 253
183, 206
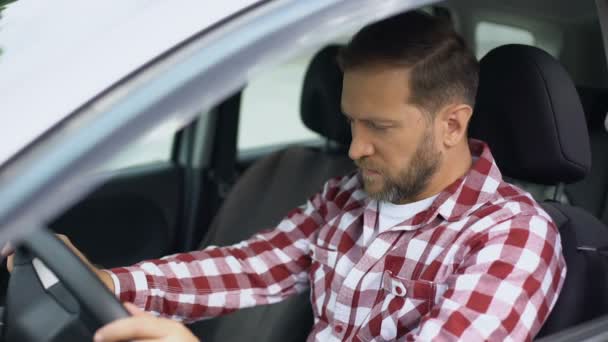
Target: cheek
398, 151
393, 159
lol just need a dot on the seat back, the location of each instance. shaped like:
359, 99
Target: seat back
584, 296
272, 187
529, 113
591, 193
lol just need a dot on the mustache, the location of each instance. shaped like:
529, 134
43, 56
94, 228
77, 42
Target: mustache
366, 164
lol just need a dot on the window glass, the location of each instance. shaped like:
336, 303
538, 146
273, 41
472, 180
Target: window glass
156, 146
489, 35
270, 107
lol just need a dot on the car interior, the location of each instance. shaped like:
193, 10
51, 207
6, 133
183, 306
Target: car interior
542, 107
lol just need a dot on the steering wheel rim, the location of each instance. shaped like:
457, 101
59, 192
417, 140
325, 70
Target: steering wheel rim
75, 275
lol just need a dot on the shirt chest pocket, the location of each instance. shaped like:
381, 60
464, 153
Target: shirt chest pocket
399, 307
320, 276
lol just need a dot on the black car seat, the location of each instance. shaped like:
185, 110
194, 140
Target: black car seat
591, 193
272, 187
530, 114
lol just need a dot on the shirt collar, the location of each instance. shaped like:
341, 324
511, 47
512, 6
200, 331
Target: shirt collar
461, 198
465, 195
477, 187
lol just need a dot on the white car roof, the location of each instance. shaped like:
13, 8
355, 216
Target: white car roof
57, 55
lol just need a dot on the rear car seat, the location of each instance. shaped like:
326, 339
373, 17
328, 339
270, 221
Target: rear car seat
268, 190
530, 114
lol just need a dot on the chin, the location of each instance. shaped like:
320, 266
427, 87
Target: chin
373, 189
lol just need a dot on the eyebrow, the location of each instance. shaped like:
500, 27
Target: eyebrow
376, 120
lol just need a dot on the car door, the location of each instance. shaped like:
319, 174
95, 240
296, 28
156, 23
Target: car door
148, 205
136, 213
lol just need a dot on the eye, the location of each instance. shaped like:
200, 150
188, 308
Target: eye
376, 126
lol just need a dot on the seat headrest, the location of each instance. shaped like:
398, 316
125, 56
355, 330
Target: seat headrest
529, 113
321, 96
595, 105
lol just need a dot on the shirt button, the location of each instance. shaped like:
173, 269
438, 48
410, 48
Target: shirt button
339, 329
399, 290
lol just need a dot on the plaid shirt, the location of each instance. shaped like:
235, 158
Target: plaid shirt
483, 262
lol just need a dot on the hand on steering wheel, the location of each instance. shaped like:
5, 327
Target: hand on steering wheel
52, 280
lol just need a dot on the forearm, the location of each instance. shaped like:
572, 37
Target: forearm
106, 279
264, 269
215, 281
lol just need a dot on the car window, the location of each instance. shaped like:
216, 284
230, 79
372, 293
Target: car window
270, 107
154, 147
489, 35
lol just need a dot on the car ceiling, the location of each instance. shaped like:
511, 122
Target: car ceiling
560, 10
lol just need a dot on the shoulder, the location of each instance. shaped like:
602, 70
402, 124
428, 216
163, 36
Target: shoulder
513, 208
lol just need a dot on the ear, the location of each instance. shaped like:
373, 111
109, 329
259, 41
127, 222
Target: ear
453, 121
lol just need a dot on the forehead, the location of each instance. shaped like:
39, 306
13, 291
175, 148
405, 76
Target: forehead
374, 88
377, 72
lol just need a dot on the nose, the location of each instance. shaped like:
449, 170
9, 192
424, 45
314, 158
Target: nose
360, 146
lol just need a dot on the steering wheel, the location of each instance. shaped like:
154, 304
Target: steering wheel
53, 296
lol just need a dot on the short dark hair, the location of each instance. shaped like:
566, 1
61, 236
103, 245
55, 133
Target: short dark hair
442, 66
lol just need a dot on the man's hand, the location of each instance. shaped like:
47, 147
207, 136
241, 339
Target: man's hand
143, 326
105, 278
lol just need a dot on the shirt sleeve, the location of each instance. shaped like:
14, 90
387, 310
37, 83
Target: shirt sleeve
267, 268
505, 288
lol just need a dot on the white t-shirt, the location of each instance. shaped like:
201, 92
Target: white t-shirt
390, 215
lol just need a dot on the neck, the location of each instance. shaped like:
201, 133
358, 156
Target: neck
456, 163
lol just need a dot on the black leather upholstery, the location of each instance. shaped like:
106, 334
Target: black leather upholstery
529, 112
584, 295
320, 102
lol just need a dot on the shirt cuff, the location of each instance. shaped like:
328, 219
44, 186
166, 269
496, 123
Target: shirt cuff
129, 283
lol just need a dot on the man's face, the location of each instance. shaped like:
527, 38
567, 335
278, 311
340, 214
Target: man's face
394, 142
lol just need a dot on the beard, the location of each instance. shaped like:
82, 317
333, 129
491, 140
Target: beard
410, 182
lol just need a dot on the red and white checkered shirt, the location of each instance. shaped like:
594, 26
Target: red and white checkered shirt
483, 262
